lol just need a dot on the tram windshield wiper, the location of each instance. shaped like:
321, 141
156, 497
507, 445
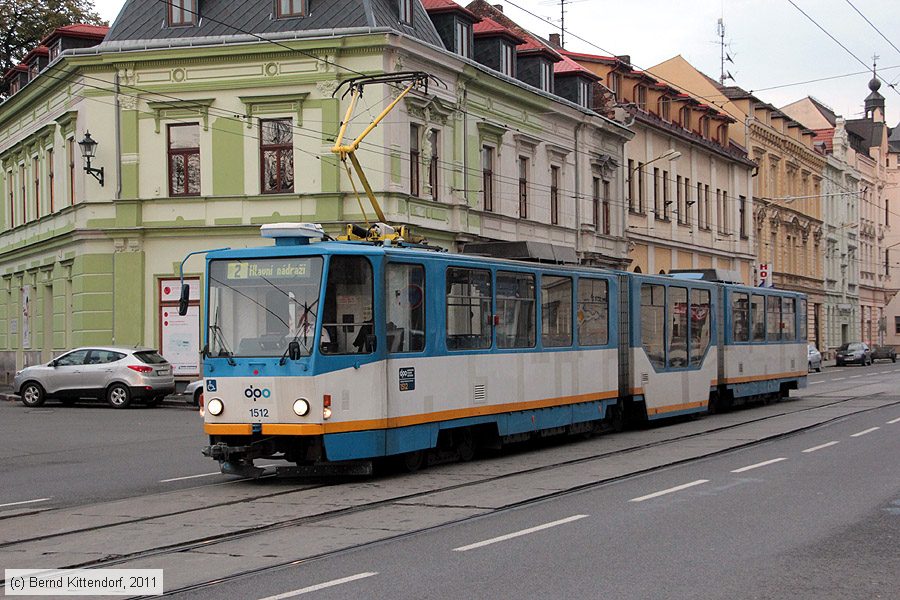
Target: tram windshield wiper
304, 328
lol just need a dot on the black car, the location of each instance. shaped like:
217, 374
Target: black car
884, 353
854, 352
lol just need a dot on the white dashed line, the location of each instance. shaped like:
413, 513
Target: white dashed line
897, 420
320, 586
190, 477
839, 378
855, 376
814, 448
865, 431
816, 382
510, 536
758, 465
677, 488
24, 502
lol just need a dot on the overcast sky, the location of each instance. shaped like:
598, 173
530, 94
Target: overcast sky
771, 42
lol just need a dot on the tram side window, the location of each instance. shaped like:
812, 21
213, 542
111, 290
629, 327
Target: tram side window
556, 311
773, 318
347, 325
700, 325
593, 312
740, 318
653, 308
677, 323
801, 329
405, 302
788, 319
469, 296
516, 310
758, 315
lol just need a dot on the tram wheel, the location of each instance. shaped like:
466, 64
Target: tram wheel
465, 444
412, 461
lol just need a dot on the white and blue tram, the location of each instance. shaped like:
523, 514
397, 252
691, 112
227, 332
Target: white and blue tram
330, 354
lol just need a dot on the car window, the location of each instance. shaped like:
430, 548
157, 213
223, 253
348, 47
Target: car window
72, 358
151, 357
844, 347
102, 357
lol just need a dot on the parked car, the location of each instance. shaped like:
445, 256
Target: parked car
117, 375
854, 352
815, 358
884, 353
193, 391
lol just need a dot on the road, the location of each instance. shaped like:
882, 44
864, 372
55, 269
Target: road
813, 515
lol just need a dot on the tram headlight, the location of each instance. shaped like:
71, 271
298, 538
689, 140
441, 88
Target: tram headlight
215, 407
301, 407
326, 413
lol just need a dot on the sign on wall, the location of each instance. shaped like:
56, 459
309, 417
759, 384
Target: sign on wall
179, 336
26, 316
764, 275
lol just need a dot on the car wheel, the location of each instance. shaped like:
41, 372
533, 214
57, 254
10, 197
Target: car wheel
197, 393
33, 394
118, 395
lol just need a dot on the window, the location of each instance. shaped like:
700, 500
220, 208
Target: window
414, 158
184, 160
653, 306
665, 104
55, 49
276, 149
584, 93
720, 211
700, 325
679, 200
523, 187
487, 177
50, 178
290, 8
704, 127
740, 318
23, 186
347, 323
657, 209
406, 11
773, 318
556, 311
706, 207
433, 170
687, 201
640, 97
70, 161
507, 63
36, 183
72, 359
593, 312
11, 192
554, 195
595, 204
515, 310
677, 325
630, 185
897, 325
546, 82
640, 172
463, 41
182, 13
405, 302
665, 195
615, 84
700, 205
468, 308
788, 330
33, 70
742, 215
686, 117
801, 330
606, 211
758, 316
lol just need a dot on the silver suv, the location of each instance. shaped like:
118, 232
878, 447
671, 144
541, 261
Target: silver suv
118, 375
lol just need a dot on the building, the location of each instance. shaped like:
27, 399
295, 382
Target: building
689, 190
210, 122
787, 187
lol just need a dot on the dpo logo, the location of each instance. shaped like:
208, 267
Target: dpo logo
257, 393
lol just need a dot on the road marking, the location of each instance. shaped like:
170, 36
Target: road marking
190, 477
839, 378
320, 586
865, 431
855, 376
814, 448
677, 488
816, 382
510, 536
758, 465
24, 502
897, 420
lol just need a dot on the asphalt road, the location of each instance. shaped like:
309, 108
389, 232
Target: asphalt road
812, 515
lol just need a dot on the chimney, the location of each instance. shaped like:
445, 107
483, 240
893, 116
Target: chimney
625, 58
499, 7
554, 40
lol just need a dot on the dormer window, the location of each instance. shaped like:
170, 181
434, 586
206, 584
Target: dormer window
704, 127
14, 85
33, 70
507, 59
463, 39
406, 11
584, 93
665, 104
291, 8
686, 117
640, 96
615, 84
546, 76
182, 13
55, 50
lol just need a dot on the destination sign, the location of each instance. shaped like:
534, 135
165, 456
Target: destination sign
269, 269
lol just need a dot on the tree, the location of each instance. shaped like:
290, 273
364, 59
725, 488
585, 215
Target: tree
23, 23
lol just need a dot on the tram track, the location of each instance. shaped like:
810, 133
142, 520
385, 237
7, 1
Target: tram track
208, 541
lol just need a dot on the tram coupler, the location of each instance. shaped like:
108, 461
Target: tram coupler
360, 468
248, 470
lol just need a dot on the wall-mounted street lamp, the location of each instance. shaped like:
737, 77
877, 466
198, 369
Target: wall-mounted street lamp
88, 151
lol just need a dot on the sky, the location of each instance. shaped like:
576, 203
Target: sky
771, 42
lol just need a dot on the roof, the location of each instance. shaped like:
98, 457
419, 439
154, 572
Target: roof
80, 30
824, 137
868, 130
489, 27
567, 66
445, 6
530, 43
143, 20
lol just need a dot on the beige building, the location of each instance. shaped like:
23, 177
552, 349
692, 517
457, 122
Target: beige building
787, 216
688, 189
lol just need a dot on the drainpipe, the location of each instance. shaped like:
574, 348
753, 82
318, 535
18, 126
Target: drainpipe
118, 142
578, 193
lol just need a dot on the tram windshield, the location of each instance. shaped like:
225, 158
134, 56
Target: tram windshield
257, 306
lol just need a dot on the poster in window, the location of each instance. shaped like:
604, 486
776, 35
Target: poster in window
180, 339
26, 314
